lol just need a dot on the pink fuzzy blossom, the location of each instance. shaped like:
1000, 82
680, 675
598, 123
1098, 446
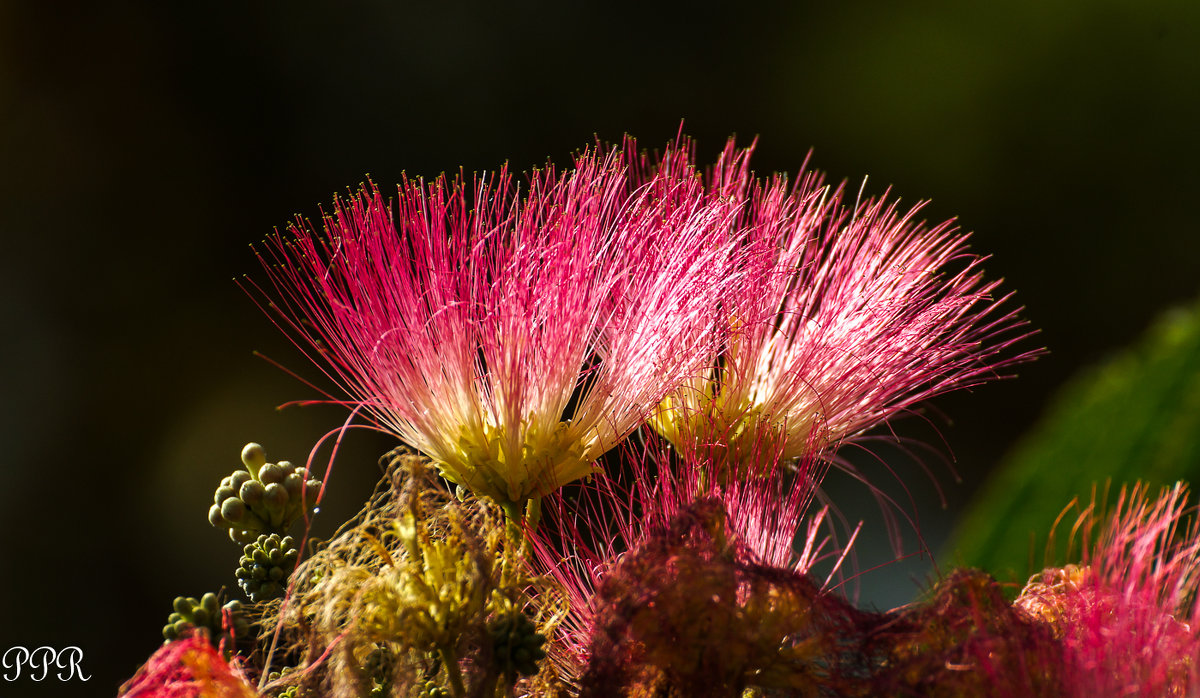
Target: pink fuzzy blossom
1127, 615
761, 518
188, 668
512, 338
848, 317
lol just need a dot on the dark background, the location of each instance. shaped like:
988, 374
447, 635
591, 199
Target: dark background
144, 146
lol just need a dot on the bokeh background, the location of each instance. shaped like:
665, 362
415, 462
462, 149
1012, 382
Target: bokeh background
145, 145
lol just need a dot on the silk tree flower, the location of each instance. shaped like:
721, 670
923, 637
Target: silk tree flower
1127, 616
188, 668
513, 339
759, 521
848, 317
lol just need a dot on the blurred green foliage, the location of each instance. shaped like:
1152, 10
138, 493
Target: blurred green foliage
1134, 417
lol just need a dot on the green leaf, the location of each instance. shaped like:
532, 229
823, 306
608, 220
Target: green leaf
1133, 417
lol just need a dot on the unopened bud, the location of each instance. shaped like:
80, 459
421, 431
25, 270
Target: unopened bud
254, 457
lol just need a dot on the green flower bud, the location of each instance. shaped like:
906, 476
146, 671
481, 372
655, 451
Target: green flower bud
254, 457
312, 489
224, 492
271, 473
215, 518
209, 602
267, 562
275, 498
252, 492
201, 617
233, 510
182, 605
294, 484
239, 478
242, 535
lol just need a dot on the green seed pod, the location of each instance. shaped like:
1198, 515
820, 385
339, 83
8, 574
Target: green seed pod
252, 492
215, 518
239, 478
271, 473
254, 457
233, 510
275, 498
224, 492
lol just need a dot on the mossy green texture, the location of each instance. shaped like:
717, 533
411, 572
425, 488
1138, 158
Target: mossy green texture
1134, 417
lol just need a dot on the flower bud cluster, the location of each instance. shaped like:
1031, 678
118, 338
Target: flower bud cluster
205, 614
264, 498
516, 644
265, 566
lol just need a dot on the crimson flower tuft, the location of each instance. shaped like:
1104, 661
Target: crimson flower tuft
1127, 615
849, 315
188, 668
512, 337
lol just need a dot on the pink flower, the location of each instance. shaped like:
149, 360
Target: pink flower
848, 317
761, 519
514, 339
188, 668
1127, 616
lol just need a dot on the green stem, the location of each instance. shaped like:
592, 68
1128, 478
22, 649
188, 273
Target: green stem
453, 674
533, 516
512, 519
515, 523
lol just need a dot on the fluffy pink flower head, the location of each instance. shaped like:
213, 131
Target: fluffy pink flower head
848, 316
1127, 615
763, 520
513, 339
188, 668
